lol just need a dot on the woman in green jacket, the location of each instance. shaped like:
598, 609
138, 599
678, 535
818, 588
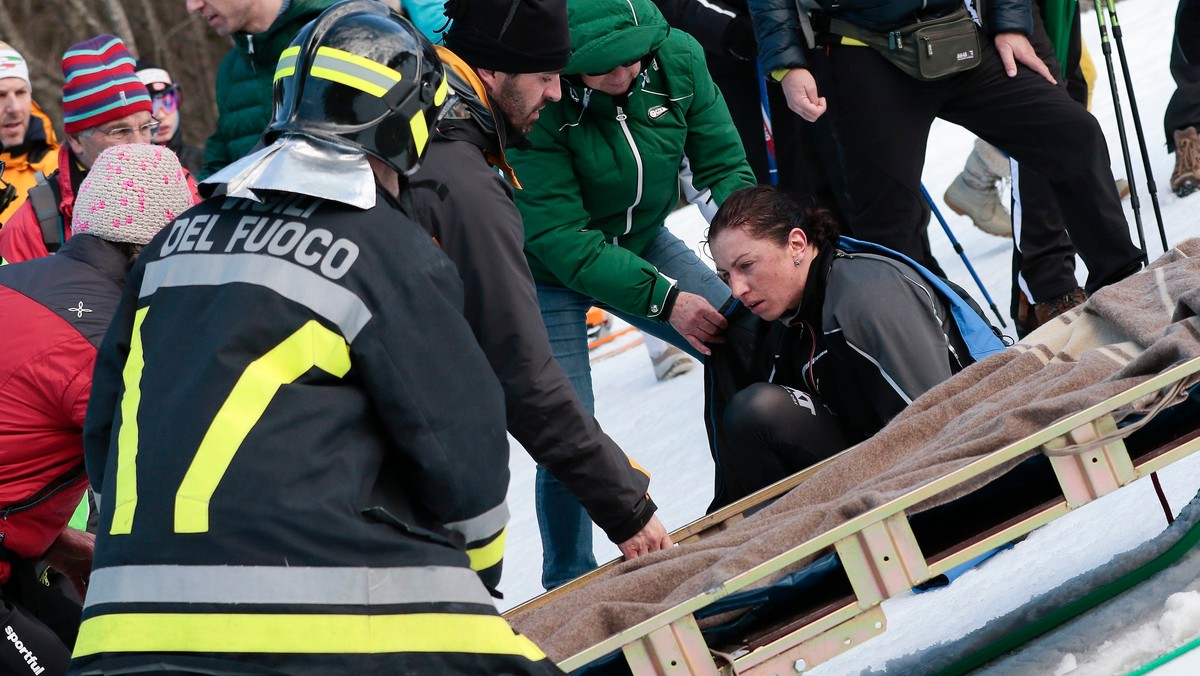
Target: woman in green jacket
600, 178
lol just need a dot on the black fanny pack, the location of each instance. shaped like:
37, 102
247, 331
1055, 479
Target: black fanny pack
926, 50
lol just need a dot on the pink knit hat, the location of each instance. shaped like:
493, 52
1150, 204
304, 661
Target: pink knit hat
131, 192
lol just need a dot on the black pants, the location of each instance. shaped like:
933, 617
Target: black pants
1043, 255
774, 432
1184, 108
40, 625
883, 118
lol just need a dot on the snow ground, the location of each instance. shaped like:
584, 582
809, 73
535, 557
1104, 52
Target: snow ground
660, 425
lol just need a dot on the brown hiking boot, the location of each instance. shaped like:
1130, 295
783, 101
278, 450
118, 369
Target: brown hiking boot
1026, 320
1055, 307
1186, 177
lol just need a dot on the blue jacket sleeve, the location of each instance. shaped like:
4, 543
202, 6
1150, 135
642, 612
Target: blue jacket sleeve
777, 28
1010, 16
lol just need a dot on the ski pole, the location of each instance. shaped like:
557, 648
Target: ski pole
1137, 125
768, 129
1106, 47
963, 255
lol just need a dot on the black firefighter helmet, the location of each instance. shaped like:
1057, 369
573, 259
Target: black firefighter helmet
361, 75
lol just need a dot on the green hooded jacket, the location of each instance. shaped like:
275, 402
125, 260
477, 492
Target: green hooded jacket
601, 176
244, 84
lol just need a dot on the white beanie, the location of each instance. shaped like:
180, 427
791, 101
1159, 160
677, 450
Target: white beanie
130, 193
12, 64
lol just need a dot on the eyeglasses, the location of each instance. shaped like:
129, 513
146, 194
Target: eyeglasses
623, 65
166, 102
124, 134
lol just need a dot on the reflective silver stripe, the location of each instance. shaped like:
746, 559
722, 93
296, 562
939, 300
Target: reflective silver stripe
330, 61
483, 526
332, 302
287, 585
287, 64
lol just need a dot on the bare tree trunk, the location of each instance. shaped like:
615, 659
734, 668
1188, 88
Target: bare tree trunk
8, 29
77, 8
120, 22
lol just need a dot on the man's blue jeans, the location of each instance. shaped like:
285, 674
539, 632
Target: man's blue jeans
565, 527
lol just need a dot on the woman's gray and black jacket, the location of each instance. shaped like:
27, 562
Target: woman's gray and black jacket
477, 225
781, 41
871, 336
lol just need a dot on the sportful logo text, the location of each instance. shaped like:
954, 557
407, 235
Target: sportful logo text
30, 658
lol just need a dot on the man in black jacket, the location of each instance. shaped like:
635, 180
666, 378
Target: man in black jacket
883, 116
502, 81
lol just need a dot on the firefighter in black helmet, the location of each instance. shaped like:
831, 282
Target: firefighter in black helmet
297, 446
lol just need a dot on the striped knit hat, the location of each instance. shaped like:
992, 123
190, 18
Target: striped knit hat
130, 193
101, 84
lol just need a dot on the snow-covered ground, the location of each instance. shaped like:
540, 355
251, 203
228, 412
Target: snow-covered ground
660, 425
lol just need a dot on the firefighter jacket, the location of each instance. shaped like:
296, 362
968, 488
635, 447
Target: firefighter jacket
478, 227
299, 454
57, 309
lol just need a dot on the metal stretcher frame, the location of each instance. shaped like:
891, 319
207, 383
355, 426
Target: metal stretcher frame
878, 550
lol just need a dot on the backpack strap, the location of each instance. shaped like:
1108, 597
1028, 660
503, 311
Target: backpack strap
45, 206
981, 339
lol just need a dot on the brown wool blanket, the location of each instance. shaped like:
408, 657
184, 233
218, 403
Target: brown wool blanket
1123, 335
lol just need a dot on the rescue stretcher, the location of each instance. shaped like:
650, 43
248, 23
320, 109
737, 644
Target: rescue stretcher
833, 605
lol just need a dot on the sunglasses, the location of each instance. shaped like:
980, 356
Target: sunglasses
623, 65
166, 102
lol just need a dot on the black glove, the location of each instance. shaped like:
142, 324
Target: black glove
739, 38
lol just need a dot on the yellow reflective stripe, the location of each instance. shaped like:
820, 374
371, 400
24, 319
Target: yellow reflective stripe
125, 493
287, 63
443, 89
311, 345
852, 42
302, 634
420, 131
488, 555
331, 69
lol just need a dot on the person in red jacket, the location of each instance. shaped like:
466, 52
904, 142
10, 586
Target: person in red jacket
63, 305
104, 104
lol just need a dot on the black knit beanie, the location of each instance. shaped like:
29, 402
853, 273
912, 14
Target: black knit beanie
511, 36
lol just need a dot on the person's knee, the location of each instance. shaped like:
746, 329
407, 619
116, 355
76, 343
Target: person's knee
755, 409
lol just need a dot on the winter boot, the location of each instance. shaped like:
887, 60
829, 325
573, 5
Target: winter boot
973, 194
1050, 309
1186, 177
672, 362
995, 161
1026, 320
